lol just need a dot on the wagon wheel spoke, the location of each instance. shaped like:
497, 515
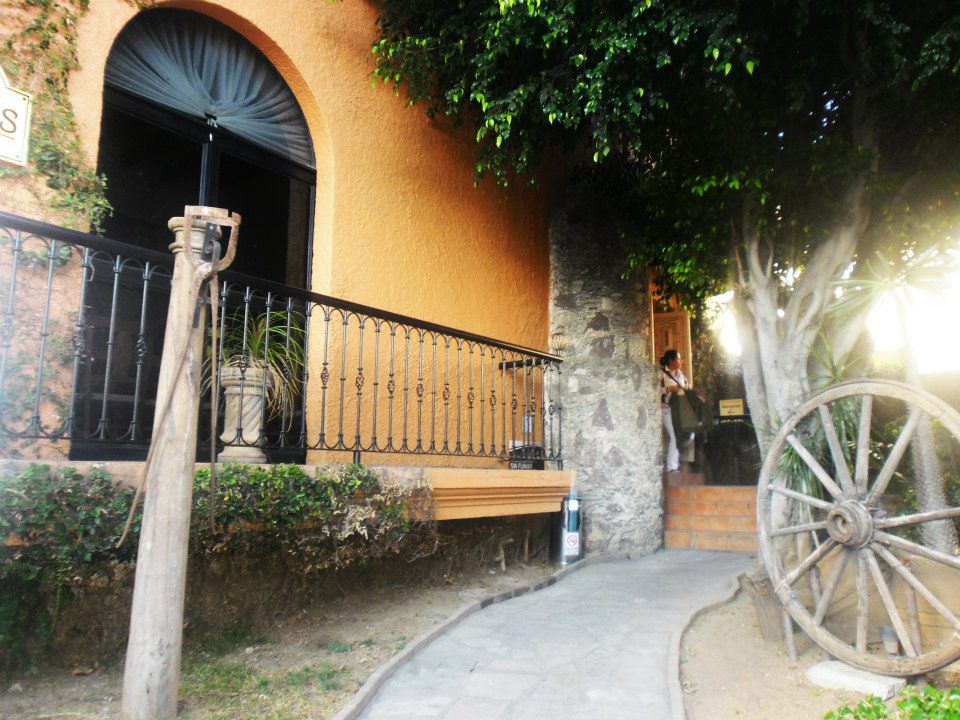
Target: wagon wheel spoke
884, 591
915, 583
830, 588
917, 518
918, 549
896, 454
814, 574
836, 452
815, 585
808, 499
863, 605
862, 469
913, 618
817, 469
796, 529
837, 556
811, 560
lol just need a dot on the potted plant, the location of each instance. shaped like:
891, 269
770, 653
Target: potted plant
260, 376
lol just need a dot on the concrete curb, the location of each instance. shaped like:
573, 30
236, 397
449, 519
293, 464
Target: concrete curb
677, 709
365, 694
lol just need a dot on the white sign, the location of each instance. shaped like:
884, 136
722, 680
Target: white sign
14, 123
732, 407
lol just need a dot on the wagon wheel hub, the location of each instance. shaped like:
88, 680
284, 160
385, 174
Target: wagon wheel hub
850, 523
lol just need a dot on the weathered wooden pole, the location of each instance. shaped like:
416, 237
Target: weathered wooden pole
151, 677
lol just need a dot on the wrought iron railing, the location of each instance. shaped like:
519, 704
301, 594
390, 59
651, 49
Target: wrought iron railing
81, 338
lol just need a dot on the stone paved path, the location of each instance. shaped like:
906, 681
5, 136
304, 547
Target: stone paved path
595, 645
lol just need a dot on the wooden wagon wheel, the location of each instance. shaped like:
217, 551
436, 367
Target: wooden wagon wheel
840, 546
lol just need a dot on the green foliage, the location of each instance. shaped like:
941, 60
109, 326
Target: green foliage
926, 704
845, 415
328, 520
54, 524
227, 688
58, 524
350, 516
326, 678
901, 496
273, 342
872, 708
217, 678
43, 54
703, 123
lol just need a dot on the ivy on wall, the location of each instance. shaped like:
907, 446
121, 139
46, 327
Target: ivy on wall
40, 57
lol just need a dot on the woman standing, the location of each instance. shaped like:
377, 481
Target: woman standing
672, 380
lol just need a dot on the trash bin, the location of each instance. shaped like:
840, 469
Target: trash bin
568, 544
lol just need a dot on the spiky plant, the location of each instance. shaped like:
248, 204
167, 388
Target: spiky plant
271, 341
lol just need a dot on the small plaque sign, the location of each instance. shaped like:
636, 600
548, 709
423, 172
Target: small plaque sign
15, 106
731, 407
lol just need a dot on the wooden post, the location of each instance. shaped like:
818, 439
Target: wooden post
788, 635
151, 677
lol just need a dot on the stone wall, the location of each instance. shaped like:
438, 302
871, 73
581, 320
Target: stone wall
612, 429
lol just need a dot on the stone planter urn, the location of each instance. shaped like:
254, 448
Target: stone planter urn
243, 395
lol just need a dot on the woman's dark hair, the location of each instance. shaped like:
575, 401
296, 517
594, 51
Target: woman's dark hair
668, 357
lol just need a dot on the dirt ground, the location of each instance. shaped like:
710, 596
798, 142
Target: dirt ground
730, 672
304, 667
309, 666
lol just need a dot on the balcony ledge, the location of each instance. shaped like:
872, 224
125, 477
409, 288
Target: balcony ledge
458, 493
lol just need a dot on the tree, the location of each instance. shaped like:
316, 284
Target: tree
768, 146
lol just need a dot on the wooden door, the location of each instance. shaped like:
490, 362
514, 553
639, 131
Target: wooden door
671, 330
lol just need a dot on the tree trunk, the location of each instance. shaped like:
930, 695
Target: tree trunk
765, 602
776, 349
942, 534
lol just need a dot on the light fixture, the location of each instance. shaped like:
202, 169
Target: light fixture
559, 342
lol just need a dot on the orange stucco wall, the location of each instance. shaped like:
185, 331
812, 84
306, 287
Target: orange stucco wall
398, 222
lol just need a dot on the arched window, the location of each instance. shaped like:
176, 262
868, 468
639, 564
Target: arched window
194, 113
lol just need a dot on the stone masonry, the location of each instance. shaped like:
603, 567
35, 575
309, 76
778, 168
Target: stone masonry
611, 410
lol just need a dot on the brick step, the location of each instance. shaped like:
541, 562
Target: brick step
706, 540
726, 493
683, 479
716, 523
711, 508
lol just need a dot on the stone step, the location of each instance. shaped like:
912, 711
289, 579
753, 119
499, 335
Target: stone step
706, 540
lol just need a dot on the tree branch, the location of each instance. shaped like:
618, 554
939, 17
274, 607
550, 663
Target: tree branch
753, 383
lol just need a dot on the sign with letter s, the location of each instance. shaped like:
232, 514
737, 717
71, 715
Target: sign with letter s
15, 106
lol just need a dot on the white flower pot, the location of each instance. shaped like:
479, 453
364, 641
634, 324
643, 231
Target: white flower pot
243, 393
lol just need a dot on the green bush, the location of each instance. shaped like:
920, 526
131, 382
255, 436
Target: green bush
338, 517
926, 704
52, 525
56, 525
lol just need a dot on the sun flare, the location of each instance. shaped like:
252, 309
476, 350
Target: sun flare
930, 319
723, 323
